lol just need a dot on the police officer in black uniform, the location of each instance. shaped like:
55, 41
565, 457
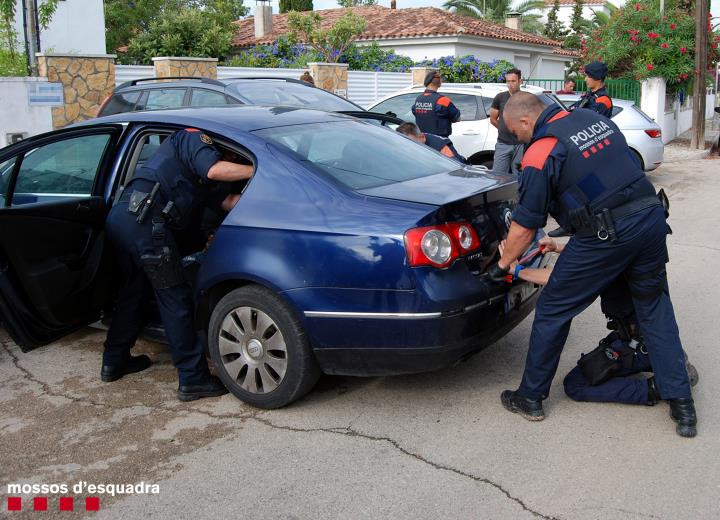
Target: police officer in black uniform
434, 113
579, 168
441, 144
596, 98
164, 200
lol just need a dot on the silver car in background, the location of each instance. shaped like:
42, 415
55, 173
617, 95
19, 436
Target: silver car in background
643, 134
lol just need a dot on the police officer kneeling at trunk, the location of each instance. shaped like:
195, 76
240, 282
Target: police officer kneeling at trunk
441, 144
164, 198
579, 168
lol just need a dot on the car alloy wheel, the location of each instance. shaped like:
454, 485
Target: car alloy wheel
252, 350
260, 348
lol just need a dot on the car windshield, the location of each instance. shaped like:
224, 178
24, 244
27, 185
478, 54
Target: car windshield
359, 155
261, 92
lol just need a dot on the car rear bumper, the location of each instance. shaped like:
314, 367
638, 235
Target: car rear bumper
409, 344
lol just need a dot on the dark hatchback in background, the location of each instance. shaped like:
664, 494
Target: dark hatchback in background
161, 93
353, 250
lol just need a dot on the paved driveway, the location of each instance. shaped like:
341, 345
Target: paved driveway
430, 446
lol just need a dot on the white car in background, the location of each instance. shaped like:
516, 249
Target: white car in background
642, 133
475, 138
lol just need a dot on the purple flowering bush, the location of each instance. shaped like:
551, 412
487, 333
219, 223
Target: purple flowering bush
469, 69
283, 53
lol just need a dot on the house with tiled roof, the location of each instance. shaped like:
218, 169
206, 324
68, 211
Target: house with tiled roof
430, 33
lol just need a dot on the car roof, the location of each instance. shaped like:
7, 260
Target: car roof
158, 82
237, 117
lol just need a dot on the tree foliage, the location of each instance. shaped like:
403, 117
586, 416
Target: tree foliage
638, 43
45, 11
357, 3
126, 19
295, 5
331, 43
554, 28
189, 32
496, 11
578, 27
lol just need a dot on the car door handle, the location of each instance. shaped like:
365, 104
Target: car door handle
471, 133
83, 207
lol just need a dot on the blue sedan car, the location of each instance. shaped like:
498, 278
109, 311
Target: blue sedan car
353, 250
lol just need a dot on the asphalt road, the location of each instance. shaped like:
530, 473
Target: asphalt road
432, 446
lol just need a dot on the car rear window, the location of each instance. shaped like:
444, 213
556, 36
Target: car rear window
359, 155
121, 102
260, 92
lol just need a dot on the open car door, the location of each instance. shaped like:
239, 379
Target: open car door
54, 277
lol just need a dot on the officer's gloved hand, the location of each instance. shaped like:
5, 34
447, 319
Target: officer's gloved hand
497, 274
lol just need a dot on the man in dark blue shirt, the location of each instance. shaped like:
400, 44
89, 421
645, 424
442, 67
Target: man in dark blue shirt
579, 169
162, 202
441, 144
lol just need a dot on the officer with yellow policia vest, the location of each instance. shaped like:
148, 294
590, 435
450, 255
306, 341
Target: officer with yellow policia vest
434, 113
162, 202
579, 169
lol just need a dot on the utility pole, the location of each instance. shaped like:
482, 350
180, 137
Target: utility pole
698, 112
32, 34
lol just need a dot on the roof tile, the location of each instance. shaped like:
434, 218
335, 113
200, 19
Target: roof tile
385, 23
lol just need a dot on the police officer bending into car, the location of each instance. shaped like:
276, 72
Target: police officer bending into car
434, 113
441, 144
579, 168
163, 200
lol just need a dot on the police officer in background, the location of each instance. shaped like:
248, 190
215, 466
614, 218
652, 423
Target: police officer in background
434, 113
579, 168
507, 149
441, 144
163, 200
596, 98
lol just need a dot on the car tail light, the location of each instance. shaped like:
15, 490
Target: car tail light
102, 105
655, 132
440, 245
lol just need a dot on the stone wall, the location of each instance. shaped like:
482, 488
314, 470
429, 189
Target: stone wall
332, 77
166, 67
87, 81
418, 75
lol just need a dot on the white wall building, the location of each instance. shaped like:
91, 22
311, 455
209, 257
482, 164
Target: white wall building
77, 27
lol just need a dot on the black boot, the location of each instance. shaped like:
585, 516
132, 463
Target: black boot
110, 373
682, 411
653, 392
516, 403
213, 387
559, 232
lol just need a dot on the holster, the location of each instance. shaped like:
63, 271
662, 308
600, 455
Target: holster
604, 362
163, 267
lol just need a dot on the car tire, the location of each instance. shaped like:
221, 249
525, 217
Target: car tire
639, 158
260, 349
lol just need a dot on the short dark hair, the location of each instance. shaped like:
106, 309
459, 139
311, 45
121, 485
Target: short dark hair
514, 71
570, 80
408, 129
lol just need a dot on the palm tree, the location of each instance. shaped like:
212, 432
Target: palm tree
601, 19
497, 10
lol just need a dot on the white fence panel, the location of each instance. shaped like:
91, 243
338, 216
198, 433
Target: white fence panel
241, 72
125, 73
365, 88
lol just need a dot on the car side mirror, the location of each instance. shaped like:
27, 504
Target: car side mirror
717, 110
